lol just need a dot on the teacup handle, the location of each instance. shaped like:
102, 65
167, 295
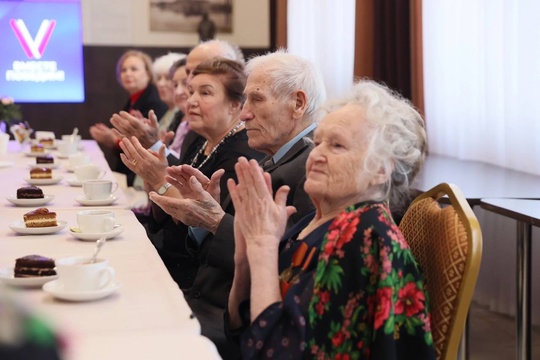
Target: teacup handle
107, 275
114, 187
109, 223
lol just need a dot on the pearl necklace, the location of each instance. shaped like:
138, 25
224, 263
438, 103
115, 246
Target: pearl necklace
201, 151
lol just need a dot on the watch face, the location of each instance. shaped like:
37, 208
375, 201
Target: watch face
162, 190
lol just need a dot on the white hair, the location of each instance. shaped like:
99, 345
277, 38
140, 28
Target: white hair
229, 51
288, 73
398, 144
163, 63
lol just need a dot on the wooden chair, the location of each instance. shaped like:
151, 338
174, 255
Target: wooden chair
447, 243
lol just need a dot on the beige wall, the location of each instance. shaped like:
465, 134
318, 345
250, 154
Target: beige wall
125, 22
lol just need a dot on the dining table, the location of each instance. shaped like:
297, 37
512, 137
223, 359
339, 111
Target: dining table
143, 315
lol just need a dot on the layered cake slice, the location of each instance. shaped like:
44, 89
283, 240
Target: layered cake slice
40, 217
46, 159
37, 148
34, 265
41, 173
47, 142
30, 192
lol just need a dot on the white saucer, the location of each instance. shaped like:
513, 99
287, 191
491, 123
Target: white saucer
30, 202
81, 199
56, 289
33, 165
118, 229
5, 163
20, 228
52, 181
36, 154
73, 181
6, 275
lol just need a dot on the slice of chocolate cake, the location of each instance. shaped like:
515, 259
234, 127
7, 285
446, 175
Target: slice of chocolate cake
40, 217
30, 192
46, 159
34, 265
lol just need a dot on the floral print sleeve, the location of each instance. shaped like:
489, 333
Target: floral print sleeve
361, 298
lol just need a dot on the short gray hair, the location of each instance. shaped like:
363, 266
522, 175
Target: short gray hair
230, 51
288, 73
162, 64
398, 144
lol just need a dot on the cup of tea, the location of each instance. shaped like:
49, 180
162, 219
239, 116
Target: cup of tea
66, 148
78, 159
4, 142
95, 221
77, 273
88, 172
98, 189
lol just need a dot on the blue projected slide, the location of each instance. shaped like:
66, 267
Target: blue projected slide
41, 51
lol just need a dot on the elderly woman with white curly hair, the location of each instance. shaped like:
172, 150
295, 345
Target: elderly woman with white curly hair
342, 283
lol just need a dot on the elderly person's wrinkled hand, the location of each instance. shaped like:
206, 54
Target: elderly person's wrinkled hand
149, 165
201, 210
145, 130
166, 137
179, 177
253, 195
104, 135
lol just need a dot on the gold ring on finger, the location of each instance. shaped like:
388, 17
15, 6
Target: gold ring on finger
134, 162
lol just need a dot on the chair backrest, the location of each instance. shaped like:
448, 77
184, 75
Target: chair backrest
447, 243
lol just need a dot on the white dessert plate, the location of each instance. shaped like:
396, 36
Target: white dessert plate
73, 181
4, 163
6, 275
52, 181
35, 154
81, 199
33, 165
118, 229
30, 202
20, 228
56, 289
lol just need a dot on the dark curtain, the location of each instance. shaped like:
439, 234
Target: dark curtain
392, 47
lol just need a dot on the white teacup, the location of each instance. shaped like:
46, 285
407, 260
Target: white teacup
88, 172
4, 142
98, 189
66, 148
72, 138
78, 160
78, 274
95, 221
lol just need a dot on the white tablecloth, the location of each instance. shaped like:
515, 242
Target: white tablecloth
146, 318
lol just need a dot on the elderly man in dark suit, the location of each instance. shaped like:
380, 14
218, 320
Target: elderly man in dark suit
283, 94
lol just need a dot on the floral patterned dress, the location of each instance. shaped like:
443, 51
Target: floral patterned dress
351, 290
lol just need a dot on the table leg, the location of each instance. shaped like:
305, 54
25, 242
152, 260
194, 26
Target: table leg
523, 287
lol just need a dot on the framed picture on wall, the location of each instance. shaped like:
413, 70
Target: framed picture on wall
191, 16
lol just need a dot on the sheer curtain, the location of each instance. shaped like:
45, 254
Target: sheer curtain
481, 79
323, 32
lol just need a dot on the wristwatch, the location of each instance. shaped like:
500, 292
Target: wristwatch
162, 190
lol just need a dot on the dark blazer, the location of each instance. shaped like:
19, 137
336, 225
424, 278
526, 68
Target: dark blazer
191, 143
149, 100
172, 249
210, 292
